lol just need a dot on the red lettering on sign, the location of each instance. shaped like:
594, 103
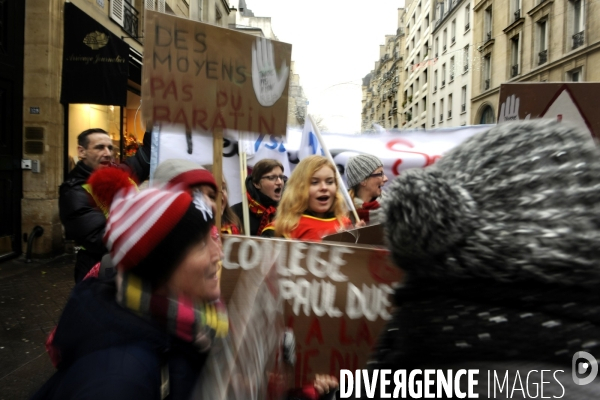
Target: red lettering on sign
363, 333
344, 338
314, 331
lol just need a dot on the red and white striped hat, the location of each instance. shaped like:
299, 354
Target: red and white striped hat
151, 230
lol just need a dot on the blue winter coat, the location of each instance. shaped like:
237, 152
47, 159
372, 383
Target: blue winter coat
107, 352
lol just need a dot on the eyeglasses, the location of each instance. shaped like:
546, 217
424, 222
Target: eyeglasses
377, 175
273, 178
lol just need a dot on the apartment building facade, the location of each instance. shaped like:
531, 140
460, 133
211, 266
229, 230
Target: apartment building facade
450, 60
534, 41
418, 63
382, 88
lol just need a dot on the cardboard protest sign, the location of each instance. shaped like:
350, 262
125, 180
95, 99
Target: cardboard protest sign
573, 102
368, 235
335, 297
204, 78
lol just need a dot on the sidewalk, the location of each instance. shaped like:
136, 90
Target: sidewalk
31, 300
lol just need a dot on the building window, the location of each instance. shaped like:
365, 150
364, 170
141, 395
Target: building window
449, 106
467, 17
578, 25
453, 32
437, 46
441, 110
445, 40
463, 99
466, 58
443, 75
435, 80
487, 25
487, 72
487, 116
433, 113
451, 69
542, 42
425, 103
515, 55
575, 75
427, 22
516, 9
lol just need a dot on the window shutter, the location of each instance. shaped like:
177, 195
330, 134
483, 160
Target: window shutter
161, 6
149, 4
116, 11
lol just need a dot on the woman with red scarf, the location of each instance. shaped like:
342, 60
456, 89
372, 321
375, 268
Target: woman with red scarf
263, 189
365, 177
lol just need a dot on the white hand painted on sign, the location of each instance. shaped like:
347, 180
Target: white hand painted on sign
268, 84
509, 111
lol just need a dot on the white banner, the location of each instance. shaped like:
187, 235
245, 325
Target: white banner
398, 150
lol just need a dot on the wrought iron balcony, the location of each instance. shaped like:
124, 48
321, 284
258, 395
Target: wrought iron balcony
517, 14
578, 39
486, 84
130, 20
543, 57
514, 70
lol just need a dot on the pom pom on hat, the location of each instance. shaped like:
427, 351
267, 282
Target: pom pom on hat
106, 183
360, 168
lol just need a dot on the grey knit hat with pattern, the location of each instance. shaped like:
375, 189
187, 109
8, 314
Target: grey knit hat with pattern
360, 167
518, 202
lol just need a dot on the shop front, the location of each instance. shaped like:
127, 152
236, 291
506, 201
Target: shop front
100, 86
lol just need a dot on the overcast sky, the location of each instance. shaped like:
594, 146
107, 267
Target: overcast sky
334, 45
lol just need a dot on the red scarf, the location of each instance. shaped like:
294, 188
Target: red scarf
363, 212
259, 209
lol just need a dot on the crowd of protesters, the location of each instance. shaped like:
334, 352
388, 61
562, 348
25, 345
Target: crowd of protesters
501, 233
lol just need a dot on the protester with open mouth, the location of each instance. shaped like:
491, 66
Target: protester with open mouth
147, 333
312, 206
365, 177
264, 188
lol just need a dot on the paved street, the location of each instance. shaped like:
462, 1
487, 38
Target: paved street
31, 299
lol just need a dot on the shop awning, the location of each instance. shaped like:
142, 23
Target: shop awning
95, 62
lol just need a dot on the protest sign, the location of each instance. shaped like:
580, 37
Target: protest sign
371, 235
573, 102
336, 297
204, 77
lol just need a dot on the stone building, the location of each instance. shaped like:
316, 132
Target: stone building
36, 124
382, 88
450, 72
531, 40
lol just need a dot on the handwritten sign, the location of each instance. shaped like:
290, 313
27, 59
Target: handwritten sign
336, 297
204, 77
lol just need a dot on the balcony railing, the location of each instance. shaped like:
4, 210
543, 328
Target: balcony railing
543, 57
517, 14
463, 108
130, 20
578, 39
514, 70
486, 84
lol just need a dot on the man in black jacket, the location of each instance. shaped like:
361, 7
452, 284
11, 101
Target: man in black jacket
83, 220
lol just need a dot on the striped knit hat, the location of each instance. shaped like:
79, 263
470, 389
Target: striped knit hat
149, 232
183, 172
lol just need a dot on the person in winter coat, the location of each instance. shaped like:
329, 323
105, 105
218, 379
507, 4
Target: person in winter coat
84, 221
500, 244
264, 188
312, 206
147, 333
365, 178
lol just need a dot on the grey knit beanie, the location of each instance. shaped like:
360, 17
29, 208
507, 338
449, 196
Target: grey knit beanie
360, 167
518, 202
176, 171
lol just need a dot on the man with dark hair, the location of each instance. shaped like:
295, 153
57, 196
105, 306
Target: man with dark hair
83, 219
